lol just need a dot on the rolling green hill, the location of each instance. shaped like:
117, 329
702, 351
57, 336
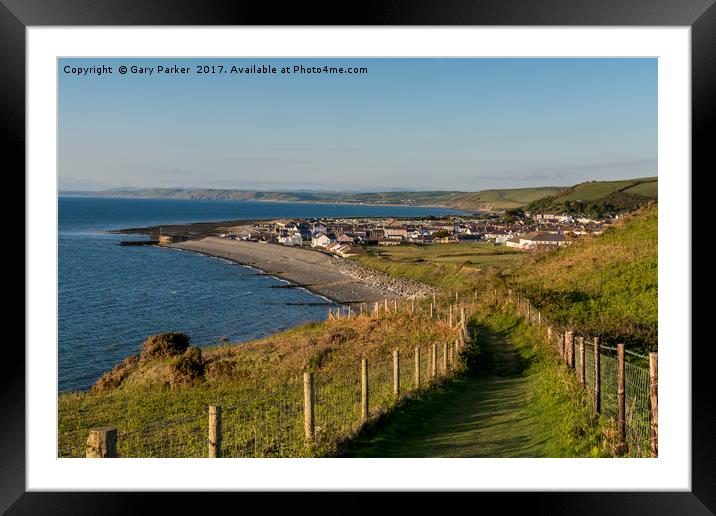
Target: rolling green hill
594, 198
604, 285
599, 198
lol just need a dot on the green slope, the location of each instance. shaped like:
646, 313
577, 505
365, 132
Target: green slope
599, 198
606, 285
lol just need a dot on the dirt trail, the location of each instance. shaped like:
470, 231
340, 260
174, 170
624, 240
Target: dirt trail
481, 416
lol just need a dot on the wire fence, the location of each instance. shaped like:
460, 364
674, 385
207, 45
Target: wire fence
639, 433
291, 421
297, 419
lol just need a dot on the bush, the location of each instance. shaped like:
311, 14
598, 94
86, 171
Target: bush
187, 367
164, 345
112, 379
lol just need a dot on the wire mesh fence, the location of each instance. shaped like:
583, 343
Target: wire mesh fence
268, 426
182, 438
337, 408
637, 379
273, 422
277, 421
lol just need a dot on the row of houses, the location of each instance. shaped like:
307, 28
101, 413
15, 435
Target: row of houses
342, 236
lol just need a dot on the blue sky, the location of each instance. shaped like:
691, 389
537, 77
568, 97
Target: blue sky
447, 124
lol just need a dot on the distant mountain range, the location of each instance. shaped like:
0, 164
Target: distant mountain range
553, 198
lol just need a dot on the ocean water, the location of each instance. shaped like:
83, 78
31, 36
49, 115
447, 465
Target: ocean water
113, 297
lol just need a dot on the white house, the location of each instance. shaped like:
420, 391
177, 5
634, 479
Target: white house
499, 236
537, 239
292, 239
320, 241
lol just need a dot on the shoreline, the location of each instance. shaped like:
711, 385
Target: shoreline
321, 274
254, 268
342, 203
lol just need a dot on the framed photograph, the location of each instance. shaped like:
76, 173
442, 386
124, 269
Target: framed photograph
378, 257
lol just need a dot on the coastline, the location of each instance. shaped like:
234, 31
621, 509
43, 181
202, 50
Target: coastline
321, 274
341, 203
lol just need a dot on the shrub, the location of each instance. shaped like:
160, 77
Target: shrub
112, 379
187, 367
164, 345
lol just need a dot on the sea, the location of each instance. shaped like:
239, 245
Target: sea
112, 297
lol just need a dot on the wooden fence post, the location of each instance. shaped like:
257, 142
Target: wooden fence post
364, 389
597, 378
582, 367
569, 345
309, 401
621, 401
101, 443
450, 320
549, 333
214, 431
417, 367
451, 354
396, 373
539, 318
434, 362
431, 310
653, 398
387, 310
445, 358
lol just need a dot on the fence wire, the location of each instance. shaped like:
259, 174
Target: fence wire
636, 380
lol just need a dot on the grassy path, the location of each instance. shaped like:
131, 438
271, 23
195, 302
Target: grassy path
486, 415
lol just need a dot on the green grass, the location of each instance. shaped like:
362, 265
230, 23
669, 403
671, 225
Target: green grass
605, 285
647, 189
450, 266
517, 402
598, 199
259, 387
593, 190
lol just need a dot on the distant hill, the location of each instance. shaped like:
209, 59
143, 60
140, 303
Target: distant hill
486, 200
605, 195
599, 198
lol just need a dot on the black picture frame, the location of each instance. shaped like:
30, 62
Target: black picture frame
17, 15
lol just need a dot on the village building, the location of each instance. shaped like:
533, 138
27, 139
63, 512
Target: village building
396, 232
342, 238
536, 240
292, 239
320, 241
499, 236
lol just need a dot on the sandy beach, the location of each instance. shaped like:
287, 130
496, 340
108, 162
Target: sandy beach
312, 270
